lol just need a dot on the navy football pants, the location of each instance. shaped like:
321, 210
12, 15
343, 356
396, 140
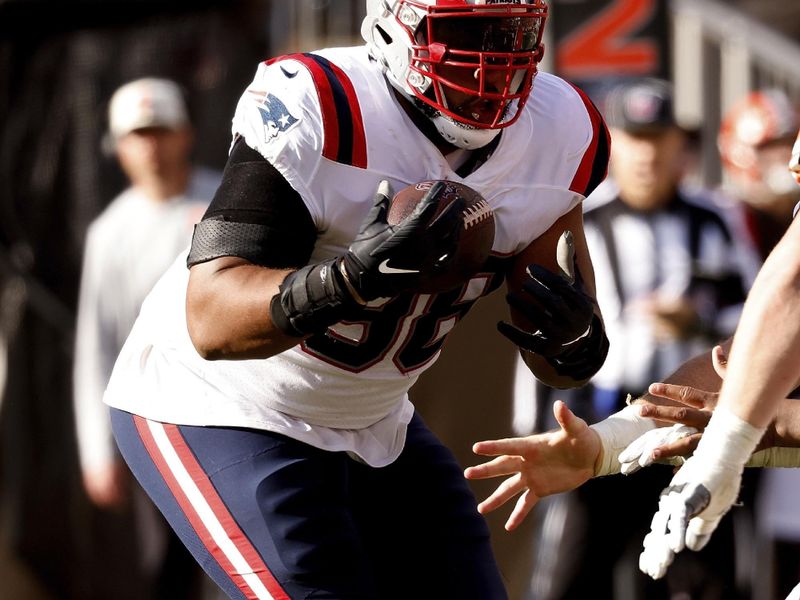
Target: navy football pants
270, 517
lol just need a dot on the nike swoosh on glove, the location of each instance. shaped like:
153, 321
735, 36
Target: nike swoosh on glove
385, 260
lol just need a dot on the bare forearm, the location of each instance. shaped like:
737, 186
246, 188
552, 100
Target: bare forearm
697, 372
227, 310
757, 381
764, 359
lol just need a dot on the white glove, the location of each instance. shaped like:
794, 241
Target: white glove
674, 525
700, 494
657, 555
639, 452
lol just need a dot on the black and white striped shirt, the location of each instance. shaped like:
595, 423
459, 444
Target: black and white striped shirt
683, 251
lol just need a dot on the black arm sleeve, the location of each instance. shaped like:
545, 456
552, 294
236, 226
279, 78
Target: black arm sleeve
255, 215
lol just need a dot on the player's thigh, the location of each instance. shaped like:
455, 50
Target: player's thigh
420, 517
259, 511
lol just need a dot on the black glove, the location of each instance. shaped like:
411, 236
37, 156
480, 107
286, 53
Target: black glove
383, 261
568, 333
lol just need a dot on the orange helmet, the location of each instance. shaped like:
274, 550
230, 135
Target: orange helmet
756, 120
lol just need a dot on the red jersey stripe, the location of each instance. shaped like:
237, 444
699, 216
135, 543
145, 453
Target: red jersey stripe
330, 122
594, 164
345, 140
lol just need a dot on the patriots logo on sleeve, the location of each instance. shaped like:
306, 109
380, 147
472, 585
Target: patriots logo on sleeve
276, 117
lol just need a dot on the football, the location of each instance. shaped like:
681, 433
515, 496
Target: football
477, 236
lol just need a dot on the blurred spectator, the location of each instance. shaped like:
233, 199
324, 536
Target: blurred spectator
127, 248
670, 284
755, 137
755, 141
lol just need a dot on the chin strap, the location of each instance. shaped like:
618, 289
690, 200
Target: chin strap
463, 136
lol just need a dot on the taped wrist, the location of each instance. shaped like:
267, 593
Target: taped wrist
728, 441
311, 299
583, 357
616, 433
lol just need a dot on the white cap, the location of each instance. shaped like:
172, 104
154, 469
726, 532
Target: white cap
146, 103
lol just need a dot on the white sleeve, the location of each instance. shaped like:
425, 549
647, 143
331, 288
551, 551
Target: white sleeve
279, 116
95, 352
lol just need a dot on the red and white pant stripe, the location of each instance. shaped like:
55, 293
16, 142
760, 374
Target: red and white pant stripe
206, 512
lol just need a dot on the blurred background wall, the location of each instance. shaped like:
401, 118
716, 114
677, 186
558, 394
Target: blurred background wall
59, 62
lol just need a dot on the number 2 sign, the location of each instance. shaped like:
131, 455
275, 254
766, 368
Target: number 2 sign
615, 38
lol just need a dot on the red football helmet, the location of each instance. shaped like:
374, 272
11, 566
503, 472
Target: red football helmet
468, 64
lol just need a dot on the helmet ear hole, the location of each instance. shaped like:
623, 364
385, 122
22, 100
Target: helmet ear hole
387, 39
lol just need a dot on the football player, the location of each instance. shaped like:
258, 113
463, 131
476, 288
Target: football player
261, 398
761, 371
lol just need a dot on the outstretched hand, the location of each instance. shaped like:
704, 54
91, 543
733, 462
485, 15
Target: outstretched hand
539, 465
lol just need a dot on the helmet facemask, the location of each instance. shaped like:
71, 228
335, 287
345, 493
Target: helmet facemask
469, 67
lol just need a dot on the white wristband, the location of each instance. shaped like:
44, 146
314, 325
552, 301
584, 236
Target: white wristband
616, 433
775, 457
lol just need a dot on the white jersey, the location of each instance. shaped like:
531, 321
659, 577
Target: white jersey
128, 247
331, 125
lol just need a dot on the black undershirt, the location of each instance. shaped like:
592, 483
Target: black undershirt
255, 215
